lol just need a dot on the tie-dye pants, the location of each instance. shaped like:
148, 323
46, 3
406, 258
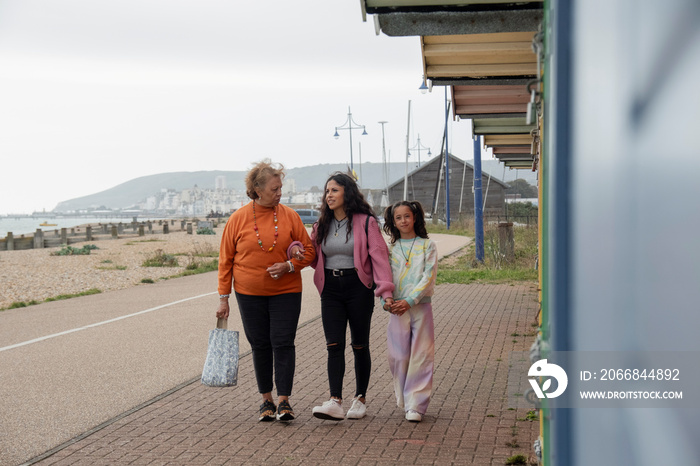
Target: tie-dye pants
411, 344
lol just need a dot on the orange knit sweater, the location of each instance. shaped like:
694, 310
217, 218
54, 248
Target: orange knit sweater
242, 259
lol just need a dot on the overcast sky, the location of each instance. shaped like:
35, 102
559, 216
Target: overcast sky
95, 93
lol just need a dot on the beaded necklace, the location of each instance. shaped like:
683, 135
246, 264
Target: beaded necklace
255, 227
408, 258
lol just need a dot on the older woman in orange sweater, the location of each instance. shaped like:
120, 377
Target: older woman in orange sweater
256, 254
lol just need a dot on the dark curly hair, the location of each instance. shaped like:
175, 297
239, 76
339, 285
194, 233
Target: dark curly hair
353, 203
418, 215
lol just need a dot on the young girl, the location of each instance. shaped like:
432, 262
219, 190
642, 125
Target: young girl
410, 334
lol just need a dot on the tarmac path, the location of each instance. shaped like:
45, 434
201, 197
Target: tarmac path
68, 366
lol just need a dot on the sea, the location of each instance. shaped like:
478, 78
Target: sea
28, 225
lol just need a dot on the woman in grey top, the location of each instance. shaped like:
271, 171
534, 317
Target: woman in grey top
352, 260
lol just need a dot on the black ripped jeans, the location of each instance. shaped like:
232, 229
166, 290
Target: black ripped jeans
345, 300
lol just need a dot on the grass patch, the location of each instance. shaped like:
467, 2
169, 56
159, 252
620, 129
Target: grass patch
195, 265
517, 459
161, 259
205, 250
113, 267
200, 250
530, 416
74, 295
462, 228
194, 268
464, 268
483, 275
20, 304
72, 251
147, 280
153, 240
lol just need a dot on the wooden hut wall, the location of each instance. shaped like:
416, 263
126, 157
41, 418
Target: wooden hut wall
422, 184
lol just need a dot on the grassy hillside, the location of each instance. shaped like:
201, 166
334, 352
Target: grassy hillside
138, 189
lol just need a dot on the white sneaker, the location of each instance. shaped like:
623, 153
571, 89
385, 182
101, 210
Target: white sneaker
330, 410
357, 410
413, 416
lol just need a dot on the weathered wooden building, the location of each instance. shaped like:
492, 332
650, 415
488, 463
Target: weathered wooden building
423, 186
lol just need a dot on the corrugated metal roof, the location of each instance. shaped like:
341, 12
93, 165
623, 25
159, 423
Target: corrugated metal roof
478, 56
473, 101
502, 126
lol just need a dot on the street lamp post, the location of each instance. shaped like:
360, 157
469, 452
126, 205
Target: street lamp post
418, 147
350, 122
385, 174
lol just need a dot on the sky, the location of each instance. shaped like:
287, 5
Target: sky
96, 93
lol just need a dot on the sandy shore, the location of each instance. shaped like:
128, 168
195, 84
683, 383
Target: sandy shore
35, 274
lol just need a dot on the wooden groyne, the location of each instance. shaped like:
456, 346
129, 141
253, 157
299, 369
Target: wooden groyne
98, 231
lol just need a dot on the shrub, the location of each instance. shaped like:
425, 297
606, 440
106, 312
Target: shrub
71, 251
205, 250
202, 267
161, 259
521, 209
517, 459
205, 231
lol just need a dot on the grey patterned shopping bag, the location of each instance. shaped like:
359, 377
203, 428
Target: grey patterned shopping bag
221, 365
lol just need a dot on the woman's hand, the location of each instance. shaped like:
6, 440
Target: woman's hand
297, 253
224, 309
387, 304
399, 307
278, 269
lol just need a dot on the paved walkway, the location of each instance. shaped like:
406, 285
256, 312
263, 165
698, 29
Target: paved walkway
468, 421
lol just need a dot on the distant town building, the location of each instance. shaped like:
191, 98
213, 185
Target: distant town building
422, 186
289, 186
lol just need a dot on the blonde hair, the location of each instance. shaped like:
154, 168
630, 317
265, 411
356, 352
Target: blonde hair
260, 174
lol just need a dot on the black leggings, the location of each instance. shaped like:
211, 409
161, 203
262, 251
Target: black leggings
270, 325
346, 300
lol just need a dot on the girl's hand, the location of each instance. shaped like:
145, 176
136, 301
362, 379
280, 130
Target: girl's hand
400, 307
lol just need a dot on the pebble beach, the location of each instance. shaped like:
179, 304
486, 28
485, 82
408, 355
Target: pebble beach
36, 274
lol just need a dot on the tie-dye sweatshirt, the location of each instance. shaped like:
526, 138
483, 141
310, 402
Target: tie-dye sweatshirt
414, 282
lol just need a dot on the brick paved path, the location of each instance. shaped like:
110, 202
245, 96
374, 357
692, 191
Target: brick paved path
468, 421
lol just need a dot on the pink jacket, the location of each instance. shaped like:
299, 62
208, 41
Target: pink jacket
372, 265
